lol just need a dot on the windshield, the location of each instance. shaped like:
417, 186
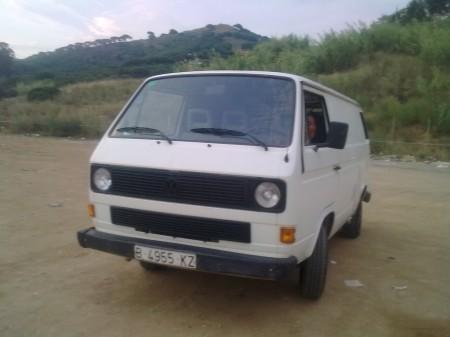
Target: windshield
176, 108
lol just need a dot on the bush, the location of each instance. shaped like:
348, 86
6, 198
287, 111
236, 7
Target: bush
7, 88
7, 92
45, 75
436, 48
336, 51
47, 124
42, 93
392, 38
64, 126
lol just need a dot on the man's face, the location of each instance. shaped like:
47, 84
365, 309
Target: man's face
312, 127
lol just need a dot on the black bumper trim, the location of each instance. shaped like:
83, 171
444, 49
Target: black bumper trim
208, 260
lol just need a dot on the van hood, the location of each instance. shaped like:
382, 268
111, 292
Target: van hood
192, 156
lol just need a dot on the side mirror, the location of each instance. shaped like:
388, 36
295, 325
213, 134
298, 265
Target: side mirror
337, 135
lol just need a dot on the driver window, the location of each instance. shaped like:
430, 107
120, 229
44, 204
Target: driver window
316, 119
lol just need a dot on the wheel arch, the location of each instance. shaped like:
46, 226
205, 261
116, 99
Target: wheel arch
326, 220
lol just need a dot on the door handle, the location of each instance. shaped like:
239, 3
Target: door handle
337, 167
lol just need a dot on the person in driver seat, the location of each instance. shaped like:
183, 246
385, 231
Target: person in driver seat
311, 130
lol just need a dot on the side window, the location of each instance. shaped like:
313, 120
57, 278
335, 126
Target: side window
316, 119
363, 121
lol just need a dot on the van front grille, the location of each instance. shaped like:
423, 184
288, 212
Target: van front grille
188, 187
188, 227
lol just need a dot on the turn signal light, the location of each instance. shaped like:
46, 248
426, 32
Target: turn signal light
91, 210
287, 234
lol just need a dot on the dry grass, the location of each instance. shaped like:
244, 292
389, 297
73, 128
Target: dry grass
82, 109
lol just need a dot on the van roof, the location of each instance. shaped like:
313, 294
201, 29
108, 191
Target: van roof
302, 79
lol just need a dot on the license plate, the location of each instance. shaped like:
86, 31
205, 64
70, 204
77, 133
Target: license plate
165, 257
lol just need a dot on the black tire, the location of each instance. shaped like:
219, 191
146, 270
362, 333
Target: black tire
151, 266
352, 229
313, 271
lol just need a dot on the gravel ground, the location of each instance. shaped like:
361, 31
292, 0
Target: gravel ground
49, 286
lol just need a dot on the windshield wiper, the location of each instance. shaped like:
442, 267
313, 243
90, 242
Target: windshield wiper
229, 132
144, 130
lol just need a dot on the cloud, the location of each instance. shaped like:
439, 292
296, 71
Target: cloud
103, 26
29, 30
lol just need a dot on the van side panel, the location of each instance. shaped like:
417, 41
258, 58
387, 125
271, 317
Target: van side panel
325, 190
353, 159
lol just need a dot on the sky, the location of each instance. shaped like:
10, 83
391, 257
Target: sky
32, 26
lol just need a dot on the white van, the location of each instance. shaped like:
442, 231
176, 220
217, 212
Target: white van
236, 172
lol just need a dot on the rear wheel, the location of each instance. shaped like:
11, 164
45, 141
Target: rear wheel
313, 271
352, 229
151, 266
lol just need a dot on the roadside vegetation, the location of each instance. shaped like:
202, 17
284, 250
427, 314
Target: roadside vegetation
397, 68
81, 110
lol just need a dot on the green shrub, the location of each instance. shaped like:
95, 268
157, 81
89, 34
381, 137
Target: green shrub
64, 126
391, 38
45, 75
7, 87
27, 124
436, 48
42, 93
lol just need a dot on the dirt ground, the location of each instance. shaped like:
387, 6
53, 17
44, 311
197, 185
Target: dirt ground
49, 286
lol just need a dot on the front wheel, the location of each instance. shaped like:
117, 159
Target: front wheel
313, 271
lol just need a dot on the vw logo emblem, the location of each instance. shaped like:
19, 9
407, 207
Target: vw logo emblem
171, 187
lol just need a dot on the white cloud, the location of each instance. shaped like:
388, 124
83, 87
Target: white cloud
103, 26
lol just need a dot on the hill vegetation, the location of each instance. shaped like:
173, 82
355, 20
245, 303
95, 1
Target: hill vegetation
118, 57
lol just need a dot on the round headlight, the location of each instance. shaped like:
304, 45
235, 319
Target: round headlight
267, 195
102, 179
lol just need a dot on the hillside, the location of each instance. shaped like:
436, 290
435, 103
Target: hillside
398, 71
118, 57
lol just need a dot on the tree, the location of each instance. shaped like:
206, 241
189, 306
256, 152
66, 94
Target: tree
172, 32
7, 83
102, 42
42, 93
125, 37
419, 10
438, 7
151, 35
416, 10
6, 60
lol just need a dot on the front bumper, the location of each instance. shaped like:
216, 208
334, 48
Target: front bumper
208, 260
